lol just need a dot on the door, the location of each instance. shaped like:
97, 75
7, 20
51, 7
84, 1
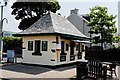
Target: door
79, 52
37, 46
62, 54
72, 45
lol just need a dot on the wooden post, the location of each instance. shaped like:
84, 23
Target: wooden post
57, 53
58, 48
15, 59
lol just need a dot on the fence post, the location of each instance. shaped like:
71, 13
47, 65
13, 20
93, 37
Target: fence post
104, 72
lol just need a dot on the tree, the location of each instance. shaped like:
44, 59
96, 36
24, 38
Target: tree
102, 25
11, 43
116, 39
30, 12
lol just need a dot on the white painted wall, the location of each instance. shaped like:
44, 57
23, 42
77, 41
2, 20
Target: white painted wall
46, 57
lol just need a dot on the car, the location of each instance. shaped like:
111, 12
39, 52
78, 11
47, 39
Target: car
4, 58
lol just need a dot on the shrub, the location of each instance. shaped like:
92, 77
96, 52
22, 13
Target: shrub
10, 43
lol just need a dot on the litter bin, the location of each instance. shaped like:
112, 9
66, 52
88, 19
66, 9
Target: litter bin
10, 60
82, 69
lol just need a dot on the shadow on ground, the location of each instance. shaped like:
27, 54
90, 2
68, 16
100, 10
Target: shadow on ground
65, 68
34, 70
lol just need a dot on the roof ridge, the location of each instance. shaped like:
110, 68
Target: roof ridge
51, 13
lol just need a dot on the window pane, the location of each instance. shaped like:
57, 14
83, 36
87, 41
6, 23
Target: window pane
82, 48
77, 47
67, 47
30, 45
44, 45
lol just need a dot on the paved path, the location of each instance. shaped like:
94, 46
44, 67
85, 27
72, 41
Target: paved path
24, 71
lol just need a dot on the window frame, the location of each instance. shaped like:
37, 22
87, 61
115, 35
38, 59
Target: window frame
83, 48
77, 47
30, 44
44, 46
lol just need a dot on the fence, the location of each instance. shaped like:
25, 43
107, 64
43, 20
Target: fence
91, 69
96, 70
107, 55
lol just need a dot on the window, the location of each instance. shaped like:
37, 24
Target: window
30, 45
37, 48
77, 47
57, 40
72, 45
62, 47
67, 47
44, 45
82, 48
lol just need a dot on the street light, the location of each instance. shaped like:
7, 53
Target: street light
1, 24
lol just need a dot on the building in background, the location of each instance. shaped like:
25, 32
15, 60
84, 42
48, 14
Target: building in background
79, 21
7, 33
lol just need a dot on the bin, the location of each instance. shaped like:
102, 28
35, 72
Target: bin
82, 69
10, 60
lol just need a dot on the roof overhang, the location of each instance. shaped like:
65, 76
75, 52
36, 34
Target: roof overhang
55, 34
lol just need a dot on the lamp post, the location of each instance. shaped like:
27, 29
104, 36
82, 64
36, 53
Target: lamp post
1, 25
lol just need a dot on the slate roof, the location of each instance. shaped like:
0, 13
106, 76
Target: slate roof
52, 23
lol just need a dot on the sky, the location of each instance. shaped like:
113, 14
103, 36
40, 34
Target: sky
66, 6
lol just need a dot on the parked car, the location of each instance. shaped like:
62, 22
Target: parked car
4, 58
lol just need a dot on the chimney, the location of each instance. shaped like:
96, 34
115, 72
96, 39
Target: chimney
74, 11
